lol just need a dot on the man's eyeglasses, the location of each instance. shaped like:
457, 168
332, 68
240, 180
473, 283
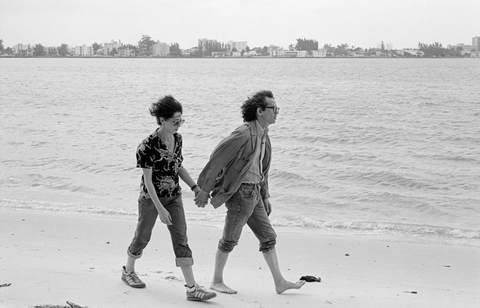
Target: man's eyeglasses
275, 109
178, 122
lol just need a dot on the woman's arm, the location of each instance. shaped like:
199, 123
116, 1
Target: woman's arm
162, 212
185, 176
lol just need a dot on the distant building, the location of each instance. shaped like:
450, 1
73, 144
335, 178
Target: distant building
82, 51
126, 52
354, 54
205, 45
160, 49
413, 52
108, 47
259, 50
271, 49
465, 48
320, 53
476, 42
296, 53
276, 51
475, 54
202, 43
23, 50
218, 54
239, 46
190, 52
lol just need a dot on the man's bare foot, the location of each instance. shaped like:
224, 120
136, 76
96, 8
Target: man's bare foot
287, 285
221, 287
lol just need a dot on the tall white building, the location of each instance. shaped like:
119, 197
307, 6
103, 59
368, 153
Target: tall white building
239, 46
108, 47
21, 47
83, 51
204, 44
160, 49
476, 42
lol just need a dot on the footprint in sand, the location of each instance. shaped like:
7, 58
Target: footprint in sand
172, 278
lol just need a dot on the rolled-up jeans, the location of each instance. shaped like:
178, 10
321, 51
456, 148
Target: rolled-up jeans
246, 207
148, 215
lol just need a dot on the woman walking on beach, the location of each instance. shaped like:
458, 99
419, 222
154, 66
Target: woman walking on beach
160, 157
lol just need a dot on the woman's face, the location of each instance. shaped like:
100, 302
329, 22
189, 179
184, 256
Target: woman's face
173, 124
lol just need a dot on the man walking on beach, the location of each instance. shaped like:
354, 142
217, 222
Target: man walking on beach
237, 175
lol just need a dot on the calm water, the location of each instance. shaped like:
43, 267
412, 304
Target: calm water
360, 145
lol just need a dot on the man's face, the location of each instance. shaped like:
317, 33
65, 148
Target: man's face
269, 115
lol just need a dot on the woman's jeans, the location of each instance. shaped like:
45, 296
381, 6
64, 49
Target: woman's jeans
147, 217
246, 207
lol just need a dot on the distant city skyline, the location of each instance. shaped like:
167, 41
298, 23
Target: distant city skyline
361, 23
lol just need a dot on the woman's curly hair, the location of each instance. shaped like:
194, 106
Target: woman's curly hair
165, 107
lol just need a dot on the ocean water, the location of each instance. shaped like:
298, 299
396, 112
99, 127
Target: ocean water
362, 146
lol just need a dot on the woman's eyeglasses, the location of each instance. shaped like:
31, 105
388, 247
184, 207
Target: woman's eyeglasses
178, 122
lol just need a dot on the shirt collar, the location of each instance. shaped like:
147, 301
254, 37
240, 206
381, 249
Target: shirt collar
260, 130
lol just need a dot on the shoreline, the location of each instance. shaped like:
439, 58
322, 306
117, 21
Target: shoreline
253, 57
424, 234
52, 257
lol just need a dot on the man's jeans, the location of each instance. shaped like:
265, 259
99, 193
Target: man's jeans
147, 217
246, 207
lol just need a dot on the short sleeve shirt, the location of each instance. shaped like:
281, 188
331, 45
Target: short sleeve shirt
153, 153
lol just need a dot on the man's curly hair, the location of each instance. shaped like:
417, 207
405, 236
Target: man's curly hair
249, 107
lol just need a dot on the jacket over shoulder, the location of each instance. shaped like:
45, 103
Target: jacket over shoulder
230, 161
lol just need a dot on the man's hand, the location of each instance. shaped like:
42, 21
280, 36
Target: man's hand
201, 198
268, 206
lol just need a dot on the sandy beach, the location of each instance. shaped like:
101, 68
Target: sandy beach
49, 258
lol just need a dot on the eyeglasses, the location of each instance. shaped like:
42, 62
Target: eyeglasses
178, 122
275, 109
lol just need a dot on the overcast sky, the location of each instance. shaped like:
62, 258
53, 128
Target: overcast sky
362, 23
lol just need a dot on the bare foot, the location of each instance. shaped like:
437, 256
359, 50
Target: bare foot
221, 287
287, 285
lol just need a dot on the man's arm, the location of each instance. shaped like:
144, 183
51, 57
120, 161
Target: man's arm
226, 151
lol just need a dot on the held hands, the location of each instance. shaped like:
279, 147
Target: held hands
196, 190
201, 198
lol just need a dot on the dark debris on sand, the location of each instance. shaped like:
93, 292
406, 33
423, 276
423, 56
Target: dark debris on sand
70, 305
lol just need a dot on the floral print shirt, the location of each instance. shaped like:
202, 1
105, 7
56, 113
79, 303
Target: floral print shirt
153, 153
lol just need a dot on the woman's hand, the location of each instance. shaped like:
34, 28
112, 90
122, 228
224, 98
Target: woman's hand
164, 216
196, 190
268, 206
162, 212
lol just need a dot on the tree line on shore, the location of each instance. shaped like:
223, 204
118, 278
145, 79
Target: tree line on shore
144, 48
